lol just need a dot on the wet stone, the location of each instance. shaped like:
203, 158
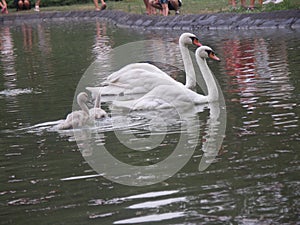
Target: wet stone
272, 20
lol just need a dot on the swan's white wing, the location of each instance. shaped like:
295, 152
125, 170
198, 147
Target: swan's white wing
162, 96
131, 67
135, 80
146, 103
97, 113
74, 120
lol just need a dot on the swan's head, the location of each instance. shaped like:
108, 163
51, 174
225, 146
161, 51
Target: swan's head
82, 97
206, 52
189, 39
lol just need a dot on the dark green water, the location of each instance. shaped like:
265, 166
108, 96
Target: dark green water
253, 180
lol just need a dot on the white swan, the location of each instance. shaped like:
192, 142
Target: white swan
77, 118
178, 95
143, 77
96, 112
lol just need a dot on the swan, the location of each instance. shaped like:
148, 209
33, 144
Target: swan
138, 78
77, 118
96, 112
178, 95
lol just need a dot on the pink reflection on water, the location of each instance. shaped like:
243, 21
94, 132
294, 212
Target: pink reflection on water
259, 81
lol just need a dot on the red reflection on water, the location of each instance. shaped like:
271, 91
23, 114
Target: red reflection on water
240, 63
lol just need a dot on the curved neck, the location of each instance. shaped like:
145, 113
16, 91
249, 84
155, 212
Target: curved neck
83, 106
209, 79
188, 67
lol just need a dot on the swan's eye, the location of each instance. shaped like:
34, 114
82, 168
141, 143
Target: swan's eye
195, 41
208, 52
211, 54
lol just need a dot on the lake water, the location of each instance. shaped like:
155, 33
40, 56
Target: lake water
46, 179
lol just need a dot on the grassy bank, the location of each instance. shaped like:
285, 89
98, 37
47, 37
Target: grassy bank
189, 6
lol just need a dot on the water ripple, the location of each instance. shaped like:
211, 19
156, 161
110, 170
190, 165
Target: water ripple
16, 92
151, 218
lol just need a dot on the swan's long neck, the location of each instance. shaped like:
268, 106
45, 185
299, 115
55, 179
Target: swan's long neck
83, 105
188, 66
208, 77
97, 101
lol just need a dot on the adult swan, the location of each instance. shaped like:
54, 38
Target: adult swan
138, 78
164, 96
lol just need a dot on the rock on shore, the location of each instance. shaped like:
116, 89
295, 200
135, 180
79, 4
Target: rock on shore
276, 19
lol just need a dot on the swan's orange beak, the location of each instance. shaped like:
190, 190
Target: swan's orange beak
213, 56
196, 42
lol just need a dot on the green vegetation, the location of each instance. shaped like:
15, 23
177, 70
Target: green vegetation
52, 2
137, 6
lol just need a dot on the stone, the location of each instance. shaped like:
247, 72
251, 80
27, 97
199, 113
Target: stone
272, 20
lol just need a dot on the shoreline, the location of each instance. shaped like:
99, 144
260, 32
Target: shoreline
288, 19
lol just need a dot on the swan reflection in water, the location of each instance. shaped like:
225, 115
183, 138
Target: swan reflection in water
159, 109
162, 122
145, 130
172, 124
145, 138
168, 136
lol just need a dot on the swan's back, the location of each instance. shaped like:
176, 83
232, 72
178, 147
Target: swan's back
97, 113
129, 69
75, 119
132, 75
164, 96
133, 79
